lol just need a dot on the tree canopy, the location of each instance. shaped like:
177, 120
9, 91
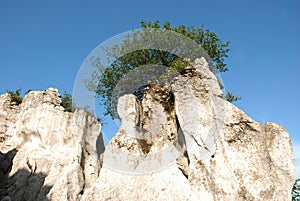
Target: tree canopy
104, 81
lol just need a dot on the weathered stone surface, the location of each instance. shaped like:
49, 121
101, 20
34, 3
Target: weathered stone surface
57, 157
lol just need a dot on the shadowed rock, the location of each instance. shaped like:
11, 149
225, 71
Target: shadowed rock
6, 163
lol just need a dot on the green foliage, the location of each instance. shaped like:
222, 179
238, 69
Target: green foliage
231, 98
296, 190
16, 96
66, 102
208, 40
105, 80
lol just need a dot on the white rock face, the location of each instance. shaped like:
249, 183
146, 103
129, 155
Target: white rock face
231, 156
57, 157
189, 145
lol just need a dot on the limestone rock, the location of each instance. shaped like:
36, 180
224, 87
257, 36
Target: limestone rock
181, 143
57, 156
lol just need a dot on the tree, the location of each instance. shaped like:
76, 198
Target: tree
104, 85
296, 190
66, 102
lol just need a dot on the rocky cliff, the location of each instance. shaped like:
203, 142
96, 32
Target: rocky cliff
180, 143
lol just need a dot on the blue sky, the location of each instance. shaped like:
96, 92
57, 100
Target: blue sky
43, 44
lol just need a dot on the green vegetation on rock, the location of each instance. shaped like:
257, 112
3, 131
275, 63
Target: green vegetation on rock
105, 80
16, 96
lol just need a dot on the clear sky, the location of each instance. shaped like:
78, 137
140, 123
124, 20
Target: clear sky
43, 44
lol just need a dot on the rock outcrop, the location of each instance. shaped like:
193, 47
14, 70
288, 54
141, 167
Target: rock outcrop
51, 154
181, 143
217, 152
